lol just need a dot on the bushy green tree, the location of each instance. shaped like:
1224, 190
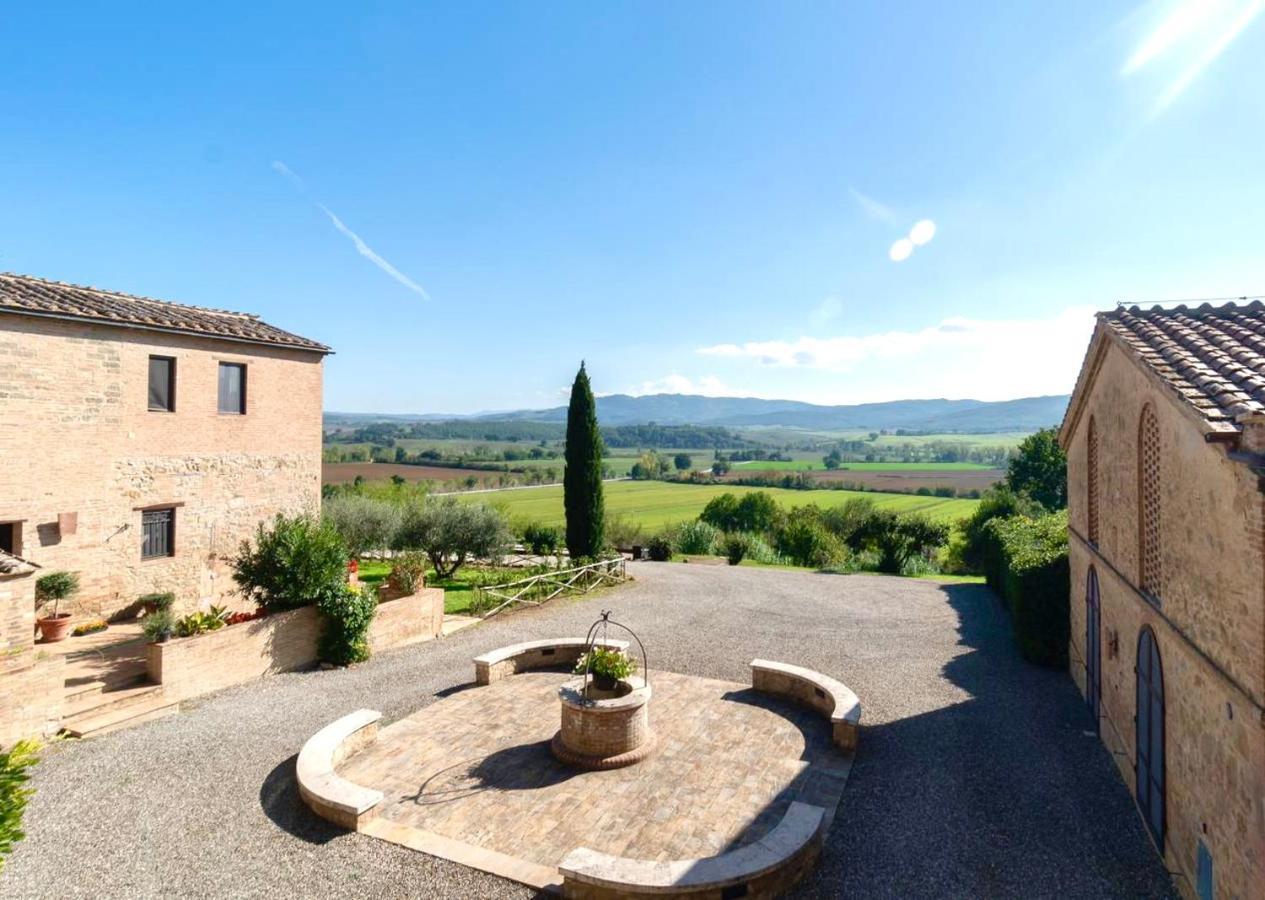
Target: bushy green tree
582, 477
721, 512
805, 540
15, 764
833, 459
451, 533
847, 522
682, 462
295, 561
1039, 470
899, 538
364, 523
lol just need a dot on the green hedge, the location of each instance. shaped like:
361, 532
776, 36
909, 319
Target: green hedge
1025, 561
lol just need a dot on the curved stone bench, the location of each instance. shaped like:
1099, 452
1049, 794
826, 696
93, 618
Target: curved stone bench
328, 794
516, 658
817, 691
764, 868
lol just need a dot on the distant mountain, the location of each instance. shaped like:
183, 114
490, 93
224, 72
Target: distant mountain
965, 416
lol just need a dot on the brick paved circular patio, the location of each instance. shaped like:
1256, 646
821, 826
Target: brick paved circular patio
475, 769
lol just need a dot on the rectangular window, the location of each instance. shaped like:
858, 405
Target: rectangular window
11, 538
158, 533
233, 388
162, 383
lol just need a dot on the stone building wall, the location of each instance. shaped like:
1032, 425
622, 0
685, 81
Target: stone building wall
77, 437
1209, 621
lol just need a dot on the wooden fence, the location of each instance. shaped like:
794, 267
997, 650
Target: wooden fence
539, 589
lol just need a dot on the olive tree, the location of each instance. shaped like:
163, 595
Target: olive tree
364, 523
451, 533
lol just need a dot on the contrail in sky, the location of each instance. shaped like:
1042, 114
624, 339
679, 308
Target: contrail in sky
361, 247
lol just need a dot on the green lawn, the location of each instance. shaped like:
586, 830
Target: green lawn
457, 592
799, 465
655, 503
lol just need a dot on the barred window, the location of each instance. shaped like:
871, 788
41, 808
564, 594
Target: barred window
158, 533
1091, 480
1149, 553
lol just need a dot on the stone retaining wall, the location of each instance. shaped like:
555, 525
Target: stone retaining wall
187, 667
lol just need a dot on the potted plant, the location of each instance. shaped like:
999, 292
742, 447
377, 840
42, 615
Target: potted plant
153, 603
607, 666
54, 588
158, 626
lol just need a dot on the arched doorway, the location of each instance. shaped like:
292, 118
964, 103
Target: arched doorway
1150, 735
1093, 646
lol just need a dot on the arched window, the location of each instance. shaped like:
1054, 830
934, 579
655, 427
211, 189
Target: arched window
1091, 480
1149, 555
1149, 739
1093, 645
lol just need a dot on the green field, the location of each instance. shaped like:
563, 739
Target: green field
654, 504
816, 465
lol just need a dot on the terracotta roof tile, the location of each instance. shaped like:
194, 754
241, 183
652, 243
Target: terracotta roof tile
28, 295
1213, 356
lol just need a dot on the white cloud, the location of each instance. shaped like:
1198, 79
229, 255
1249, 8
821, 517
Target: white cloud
922, 232
901, 250
880, 212
960, 357
707, 386
361, 247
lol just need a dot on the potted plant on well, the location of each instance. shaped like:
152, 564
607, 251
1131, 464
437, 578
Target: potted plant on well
607, 666
54, 588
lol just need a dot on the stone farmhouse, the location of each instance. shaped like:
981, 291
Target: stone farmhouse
1165, 439
141, 442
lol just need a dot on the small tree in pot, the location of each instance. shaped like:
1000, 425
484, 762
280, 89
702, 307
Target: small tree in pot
54, 588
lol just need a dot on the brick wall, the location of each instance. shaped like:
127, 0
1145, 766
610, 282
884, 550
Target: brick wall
188, 667
1209, 622
77, 436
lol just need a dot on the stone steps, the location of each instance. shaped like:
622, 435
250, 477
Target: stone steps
97, 697
98, 723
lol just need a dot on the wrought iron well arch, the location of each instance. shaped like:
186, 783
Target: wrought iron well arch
602, 626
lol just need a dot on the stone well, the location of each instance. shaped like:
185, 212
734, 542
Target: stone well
603, 729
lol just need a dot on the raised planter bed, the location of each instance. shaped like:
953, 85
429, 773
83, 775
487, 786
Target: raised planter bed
284, 642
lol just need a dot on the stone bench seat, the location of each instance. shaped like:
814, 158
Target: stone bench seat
498, 664
764, 868
815, 690
328, 794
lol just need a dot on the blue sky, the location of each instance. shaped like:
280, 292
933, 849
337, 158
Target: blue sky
466, 199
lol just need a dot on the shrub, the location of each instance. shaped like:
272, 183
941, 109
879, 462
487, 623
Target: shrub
451, 532
1026, 562
806, 541
295, 562
15, 765
200, 622
900, 538
847, 522
408, 574
622, 531
90, 627
660, 548
157, 602
697, 538
348, 614
158, 626
543, 540
54, 588
1001, 502
737, 547
365, 524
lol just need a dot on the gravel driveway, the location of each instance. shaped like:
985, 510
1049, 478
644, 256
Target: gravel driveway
976, 775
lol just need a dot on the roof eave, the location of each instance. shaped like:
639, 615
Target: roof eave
313, 347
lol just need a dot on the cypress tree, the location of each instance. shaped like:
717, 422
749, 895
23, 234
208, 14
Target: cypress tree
582, 480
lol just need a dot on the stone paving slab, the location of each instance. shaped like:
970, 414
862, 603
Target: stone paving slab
475, 769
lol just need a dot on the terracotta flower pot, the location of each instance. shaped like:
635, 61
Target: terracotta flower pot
54, 628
